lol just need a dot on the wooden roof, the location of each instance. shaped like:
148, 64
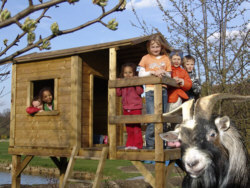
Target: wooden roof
79, 50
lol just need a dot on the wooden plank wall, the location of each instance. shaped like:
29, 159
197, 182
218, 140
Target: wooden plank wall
44, 131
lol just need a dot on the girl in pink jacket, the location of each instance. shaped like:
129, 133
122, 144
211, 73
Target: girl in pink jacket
132, 105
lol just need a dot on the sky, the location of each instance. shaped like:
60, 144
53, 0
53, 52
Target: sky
68, 16
71, 15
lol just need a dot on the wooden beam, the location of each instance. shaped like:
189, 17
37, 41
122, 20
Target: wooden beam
91, 109
172, 154
38, 151
160, 174
159, 154
98, 175
148, 118
13, 107
24, 163
56, 87
76, 97
125, 82
112, 104
143, 170
16, 178
168, 171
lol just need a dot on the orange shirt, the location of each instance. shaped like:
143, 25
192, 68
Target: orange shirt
151, 63
174, 93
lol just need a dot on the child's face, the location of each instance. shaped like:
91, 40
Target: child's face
128, 72
189, 65
37, 104
155, 48
47, 97
176, 61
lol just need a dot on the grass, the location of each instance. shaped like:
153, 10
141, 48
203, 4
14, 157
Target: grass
111, 166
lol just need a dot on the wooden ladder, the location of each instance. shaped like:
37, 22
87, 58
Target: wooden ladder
97, 181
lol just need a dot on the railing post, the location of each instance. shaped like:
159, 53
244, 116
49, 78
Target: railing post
112, 104
159, 153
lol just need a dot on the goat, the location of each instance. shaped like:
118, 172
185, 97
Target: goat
213, 154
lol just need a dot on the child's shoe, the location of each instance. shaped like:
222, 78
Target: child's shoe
128, 147
134, 148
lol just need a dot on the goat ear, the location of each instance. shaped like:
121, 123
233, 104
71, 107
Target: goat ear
222, 123
170, 136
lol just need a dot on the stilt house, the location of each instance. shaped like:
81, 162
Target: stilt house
83, 82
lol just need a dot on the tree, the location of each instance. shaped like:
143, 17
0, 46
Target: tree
215, 32
28, 27
4, 123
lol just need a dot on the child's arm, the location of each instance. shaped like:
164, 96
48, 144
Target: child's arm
186, 83
143, 72
139, 90
119, 92
32, 110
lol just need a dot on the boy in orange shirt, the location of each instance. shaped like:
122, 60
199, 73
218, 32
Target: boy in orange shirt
177, 95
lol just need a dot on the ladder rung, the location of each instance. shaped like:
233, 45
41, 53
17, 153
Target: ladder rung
79, 181
87, 158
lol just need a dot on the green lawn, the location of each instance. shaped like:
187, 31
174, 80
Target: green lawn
111, 166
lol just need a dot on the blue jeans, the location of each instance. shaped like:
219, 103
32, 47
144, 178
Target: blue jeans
150, 131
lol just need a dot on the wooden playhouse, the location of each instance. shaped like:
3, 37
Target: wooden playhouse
83, 81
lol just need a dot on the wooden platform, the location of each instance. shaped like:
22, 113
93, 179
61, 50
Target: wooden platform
95, 153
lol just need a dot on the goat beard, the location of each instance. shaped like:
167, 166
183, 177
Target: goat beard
208, 179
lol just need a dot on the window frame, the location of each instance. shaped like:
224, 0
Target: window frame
30, 95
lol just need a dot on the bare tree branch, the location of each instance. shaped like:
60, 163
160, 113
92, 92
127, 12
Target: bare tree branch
118, 7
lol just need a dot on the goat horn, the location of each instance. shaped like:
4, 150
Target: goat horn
186, 109
204, 106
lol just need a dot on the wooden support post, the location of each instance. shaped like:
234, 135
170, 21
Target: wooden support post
100, 167
160, 174
159, 153
16, 165
62, 166
169, 169
112, 104
143, 170
17, 168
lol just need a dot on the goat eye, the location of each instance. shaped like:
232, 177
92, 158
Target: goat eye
212, 135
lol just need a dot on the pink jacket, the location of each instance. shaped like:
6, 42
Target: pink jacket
131, 97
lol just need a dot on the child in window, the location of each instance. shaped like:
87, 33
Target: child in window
188, 65
36, 106
156, 63
47, 99
132, 105
177, 95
